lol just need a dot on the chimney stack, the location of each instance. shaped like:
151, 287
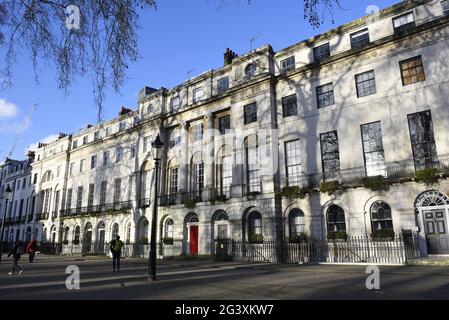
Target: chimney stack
229, 56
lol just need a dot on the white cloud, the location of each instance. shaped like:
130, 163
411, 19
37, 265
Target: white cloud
33, 146
8, 109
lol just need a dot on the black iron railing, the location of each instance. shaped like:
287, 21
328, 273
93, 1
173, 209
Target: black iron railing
395, 170
111, 208
168, 200
362, 249
144, 203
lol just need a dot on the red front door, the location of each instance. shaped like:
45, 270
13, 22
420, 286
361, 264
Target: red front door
193, 239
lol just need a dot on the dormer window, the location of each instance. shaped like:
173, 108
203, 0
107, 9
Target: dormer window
75, 144
322, 52
108, 131
360, 39
250, 70
288, 64
85, 140
404, 22
96, 135
150, 109
197, 95
174, 103
122, 126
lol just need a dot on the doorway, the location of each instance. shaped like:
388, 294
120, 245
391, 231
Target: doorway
437, 237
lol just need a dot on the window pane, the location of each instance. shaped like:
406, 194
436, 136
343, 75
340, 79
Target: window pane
412, 71
288, 64
330, 155
322, 52
250, 113
366, 84
325, 95
289, 106
422, 139
293, 162
360, 39
373, 149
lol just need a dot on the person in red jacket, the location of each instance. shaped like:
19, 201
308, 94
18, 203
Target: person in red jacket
31, 250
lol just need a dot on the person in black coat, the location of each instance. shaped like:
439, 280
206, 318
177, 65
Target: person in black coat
16, 252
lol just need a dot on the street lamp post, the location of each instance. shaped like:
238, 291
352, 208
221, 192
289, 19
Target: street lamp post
7, 195
156, 149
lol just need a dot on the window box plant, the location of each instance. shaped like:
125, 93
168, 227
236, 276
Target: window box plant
376, 183
337, 235
190, 203
299, 238
427, 176
255, 238
329, 187
383, 235
290, 192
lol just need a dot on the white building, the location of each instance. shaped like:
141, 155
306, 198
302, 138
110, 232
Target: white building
274, 145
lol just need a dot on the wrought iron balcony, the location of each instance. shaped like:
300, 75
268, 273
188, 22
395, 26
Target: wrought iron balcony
144, 203
168, 200
112, 208
391, 171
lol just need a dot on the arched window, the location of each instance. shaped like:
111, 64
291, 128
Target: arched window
76, 235
381, 216
168, 230
335, 219
296, 223
66, 234
255, 227
115, 231
222, 223
250, 70
48, 176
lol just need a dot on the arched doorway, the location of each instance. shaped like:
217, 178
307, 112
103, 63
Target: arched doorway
220, 225
87, 241
115, 231
143, 231
433, 216
101, 237
28, 235
191, 234
53, 234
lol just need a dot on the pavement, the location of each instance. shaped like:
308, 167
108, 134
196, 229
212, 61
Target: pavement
204, 279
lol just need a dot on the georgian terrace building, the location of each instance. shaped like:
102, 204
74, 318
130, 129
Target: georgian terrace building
332, 135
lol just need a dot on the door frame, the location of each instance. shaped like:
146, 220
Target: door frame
422, 211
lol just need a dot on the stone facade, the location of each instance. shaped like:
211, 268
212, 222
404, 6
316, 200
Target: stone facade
89, 186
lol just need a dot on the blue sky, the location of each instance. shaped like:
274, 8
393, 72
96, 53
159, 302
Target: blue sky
178, 37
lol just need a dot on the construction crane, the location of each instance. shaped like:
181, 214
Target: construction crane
22, 129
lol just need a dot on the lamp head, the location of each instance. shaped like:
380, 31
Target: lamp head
7, 193
156, 148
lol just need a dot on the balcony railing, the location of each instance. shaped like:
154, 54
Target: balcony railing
144, 203
396, 170
42, 216
168, 200
196, 196
98, 209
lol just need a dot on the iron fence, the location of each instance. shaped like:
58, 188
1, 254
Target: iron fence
360, 249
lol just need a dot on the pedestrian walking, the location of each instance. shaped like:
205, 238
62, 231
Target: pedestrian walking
16, 253
31, 250
116, 249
